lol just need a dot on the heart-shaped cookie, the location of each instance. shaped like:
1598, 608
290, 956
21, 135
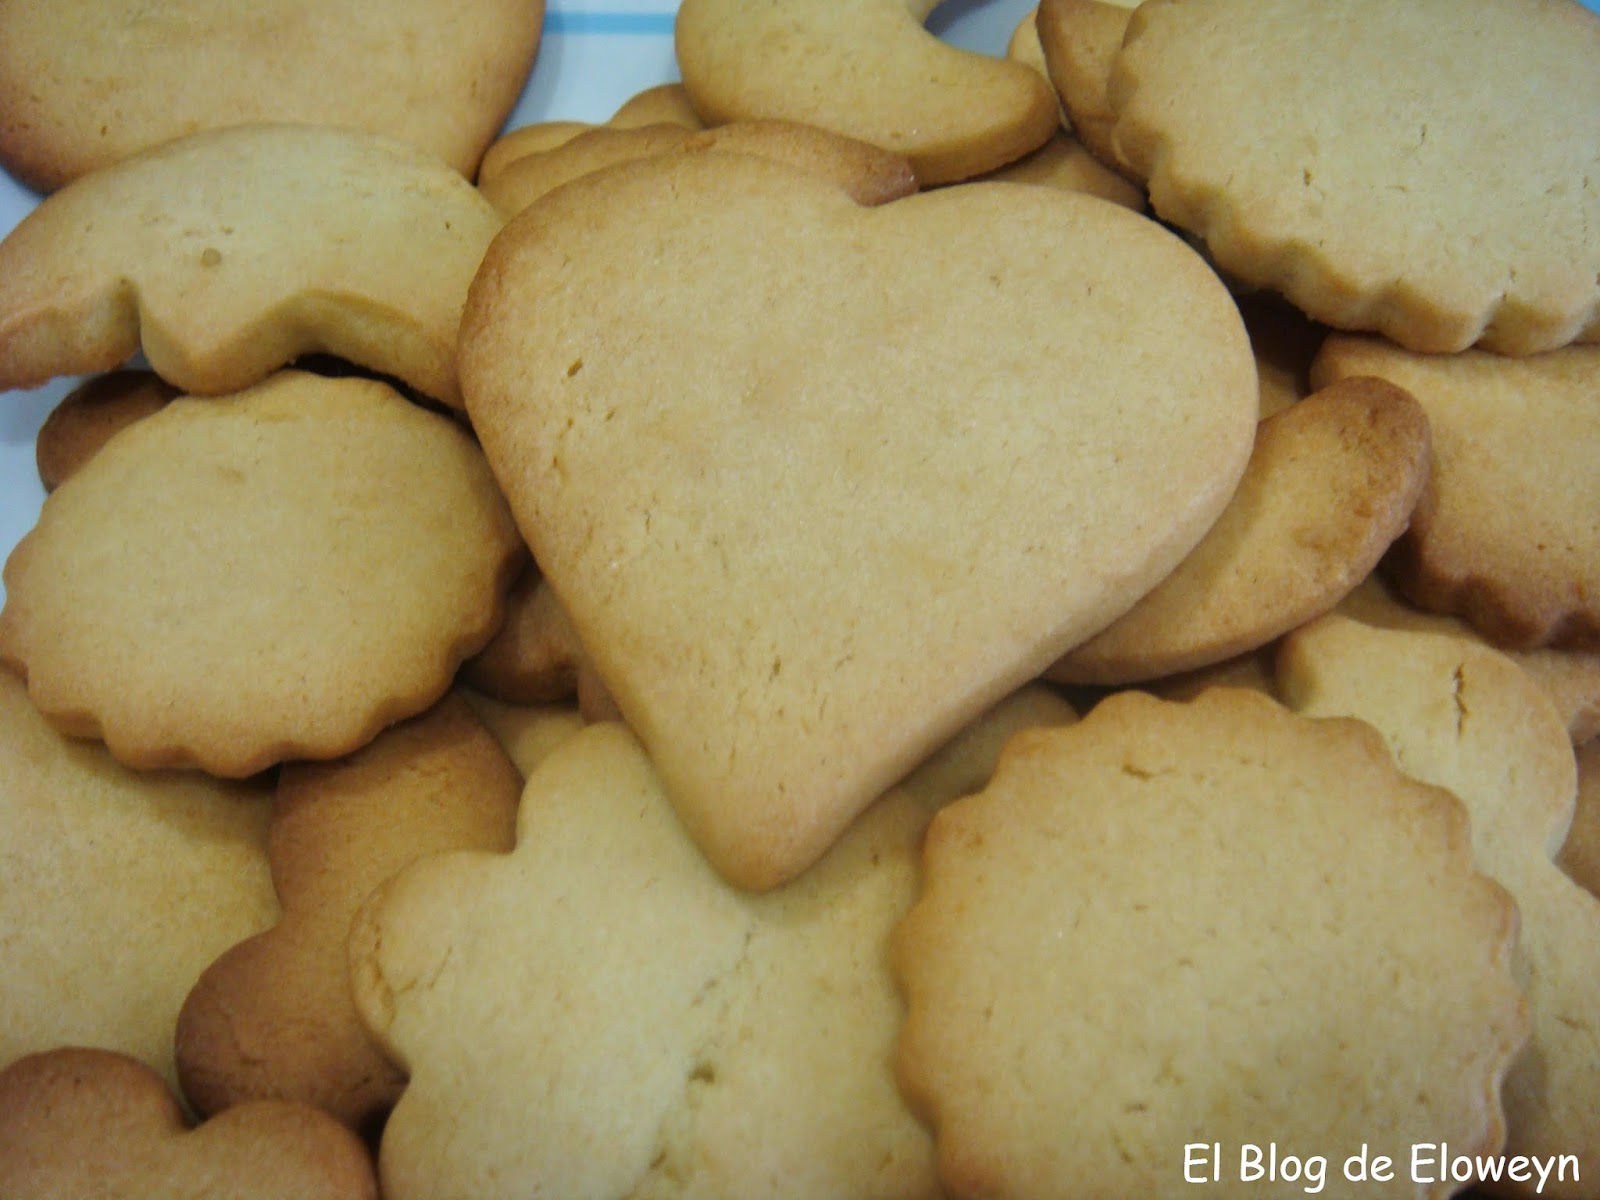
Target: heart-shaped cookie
818, 483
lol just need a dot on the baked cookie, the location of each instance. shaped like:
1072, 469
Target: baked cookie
272, 1018
1079, 40
85, 84
666, 104
78, 1122
1434, 196
965, 763
793, 589
90, 414
535, 655
1167, 929
117, 888
1580, 853
867, 70
1570, 679
1331, 483
1458, 714
671, 1035
526, 732
227, 254
318, 570
1507, 534
869, 174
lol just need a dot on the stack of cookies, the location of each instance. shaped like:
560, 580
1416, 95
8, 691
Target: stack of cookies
884, 622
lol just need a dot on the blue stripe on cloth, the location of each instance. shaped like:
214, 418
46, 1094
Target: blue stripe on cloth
646, 24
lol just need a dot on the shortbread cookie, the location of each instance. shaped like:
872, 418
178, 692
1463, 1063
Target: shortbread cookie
534, 657
1062, 162
869, 71
90, 414
1079, 40
1580, 853
117, 889
869, 174
1331, 483
317, 570
1174, 928
228, 254
273, 1018
794, 590
1460, 715
666, 104
526, 732
78, 1123
598, 1014
964, 764
1569, 678
1388, 167
1507, 534
83, 85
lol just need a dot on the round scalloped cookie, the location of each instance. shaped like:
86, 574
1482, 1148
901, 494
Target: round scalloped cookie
84, 83
1427, 170
316, 569
225, 255
1194, 923
868, 70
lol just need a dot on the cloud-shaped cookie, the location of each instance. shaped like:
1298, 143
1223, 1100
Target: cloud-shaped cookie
227, 254
599, 1014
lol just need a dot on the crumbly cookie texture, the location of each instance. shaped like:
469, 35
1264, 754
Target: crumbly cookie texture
320, 568
228, 254
1459, 714
1176, 925
1388, 167
869, 70
794, 588
87, 83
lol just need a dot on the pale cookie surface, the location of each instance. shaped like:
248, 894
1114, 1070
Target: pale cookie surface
671, 1036
119, 888
794, 588
1389, 167
319, 569
870, 174
1180, 924
1569, 678
1079, 40
90, 414
1331, 483
78, 1123
1507, 533
273, 1018
439, 76
1460, 715
225, 255
867, 70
